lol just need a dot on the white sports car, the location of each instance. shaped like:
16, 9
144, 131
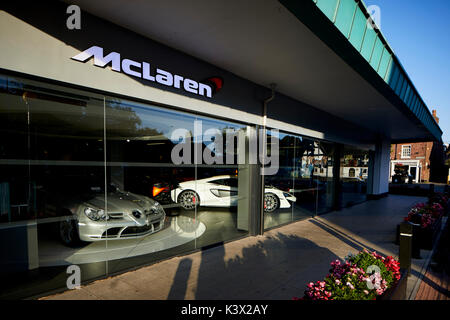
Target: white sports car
222, 191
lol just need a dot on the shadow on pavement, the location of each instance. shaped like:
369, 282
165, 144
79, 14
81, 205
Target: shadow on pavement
358, 245
181, 278
276, 268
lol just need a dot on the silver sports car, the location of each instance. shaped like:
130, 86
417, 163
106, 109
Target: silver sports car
128, 215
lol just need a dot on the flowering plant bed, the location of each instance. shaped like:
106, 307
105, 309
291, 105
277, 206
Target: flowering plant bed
398, 290
427, 236
425, 214
442, 199
427, 217
365, 276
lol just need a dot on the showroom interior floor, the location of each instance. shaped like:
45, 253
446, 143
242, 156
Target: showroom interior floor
276, 265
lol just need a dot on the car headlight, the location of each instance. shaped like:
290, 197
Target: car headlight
95, 214
157, 208
287, 195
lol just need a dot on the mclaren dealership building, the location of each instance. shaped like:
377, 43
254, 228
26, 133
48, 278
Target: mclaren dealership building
147, 131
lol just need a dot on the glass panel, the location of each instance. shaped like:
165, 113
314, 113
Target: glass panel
353, 176
358, 29
282, 184
368, 44
328, 7
384, 62
175, 203
305, 183
404, 88
406, 93
305, 178
323, 168
53, 142
376, 54
421, 111
413, 100
16, 192
217, 185
417, 108
414, 103
145, 223
409, 98
344, 17
393, 76
400, 84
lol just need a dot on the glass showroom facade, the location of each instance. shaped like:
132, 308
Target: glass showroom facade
89, 179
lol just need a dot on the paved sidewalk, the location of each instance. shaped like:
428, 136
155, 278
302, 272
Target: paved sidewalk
434, 286
277, 265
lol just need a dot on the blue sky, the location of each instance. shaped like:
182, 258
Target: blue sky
419, 33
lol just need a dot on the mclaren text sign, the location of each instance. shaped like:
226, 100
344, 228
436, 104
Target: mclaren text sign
142, 70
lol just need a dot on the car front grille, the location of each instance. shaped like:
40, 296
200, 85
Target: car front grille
127, 232
133, 231
137, 231
111, 232
115, 215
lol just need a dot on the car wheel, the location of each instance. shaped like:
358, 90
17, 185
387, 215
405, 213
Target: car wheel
189, 200
68, 232
271, 202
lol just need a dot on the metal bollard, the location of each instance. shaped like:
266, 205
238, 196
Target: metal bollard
405, 248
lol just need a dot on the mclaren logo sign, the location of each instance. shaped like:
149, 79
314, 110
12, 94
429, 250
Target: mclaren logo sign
142, 70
